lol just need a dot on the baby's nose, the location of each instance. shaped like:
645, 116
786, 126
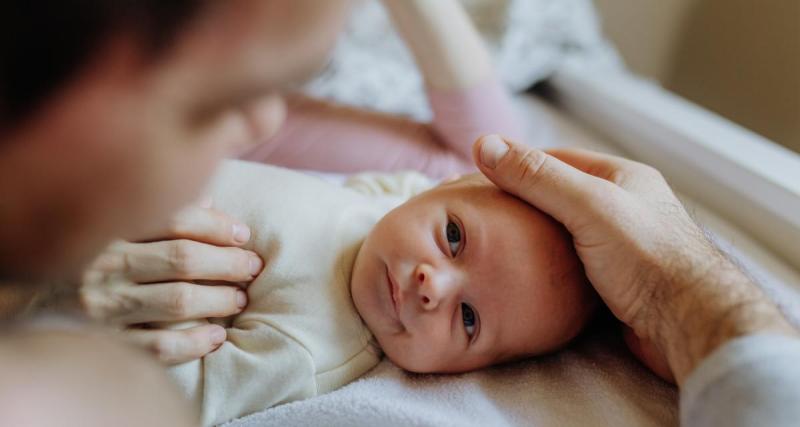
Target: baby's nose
432, 286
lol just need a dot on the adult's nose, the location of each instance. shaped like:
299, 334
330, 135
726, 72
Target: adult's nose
434, 286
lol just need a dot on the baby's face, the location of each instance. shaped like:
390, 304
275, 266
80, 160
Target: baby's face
464, 276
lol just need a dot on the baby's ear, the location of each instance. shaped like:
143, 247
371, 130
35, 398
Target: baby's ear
451, 178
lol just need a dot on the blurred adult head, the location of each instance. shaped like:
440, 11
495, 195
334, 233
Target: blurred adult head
113, 114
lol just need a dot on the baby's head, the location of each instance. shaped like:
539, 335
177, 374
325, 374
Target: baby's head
465, 276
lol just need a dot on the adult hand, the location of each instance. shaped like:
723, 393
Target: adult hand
650, 263
135, 284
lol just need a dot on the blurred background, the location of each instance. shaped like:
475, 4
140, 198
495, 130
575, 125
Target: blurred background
738, 58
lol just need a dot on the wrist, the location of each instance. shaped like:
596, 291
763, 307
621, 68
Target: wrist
704, 306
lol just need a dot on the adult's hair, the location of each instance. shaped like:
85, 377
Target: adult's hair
43, 44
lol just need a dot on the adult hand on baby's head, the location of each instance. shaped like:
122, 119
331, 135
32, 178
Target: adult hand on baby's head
623, 216
134, 284
647, 259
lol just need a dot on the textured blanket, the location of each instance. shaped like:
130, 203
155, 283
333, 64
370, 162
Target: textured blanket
595, 382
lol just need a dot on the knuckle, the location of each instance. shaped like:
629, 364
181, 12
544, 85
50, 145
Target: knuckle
605, 190
619, 176
164, 347
633, 174
125, 263
607, 201
110, 262
180, 301
109, 304
181, 257
530, 166
93, 304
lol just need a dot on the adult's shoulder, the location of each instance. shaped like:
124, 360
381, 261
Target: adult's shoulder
78, 377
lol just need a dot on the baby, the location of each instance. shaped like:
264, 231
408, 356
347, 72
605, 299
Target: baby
459, 277
464, 276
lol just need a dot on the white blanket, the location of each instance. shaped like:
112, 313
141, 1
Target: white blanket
595, 382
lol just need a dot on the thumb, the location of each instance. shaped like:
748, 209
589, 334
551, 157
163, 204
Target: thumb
542, 180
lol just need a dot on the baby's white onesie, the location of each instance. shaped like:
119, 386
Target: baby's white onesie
300, 334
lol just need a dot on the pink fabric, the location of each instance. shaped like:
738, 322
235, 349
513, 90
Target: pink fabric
327, 137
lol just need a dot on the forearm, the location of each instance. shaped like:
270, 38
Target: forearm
709, 302
466, 98
333, 138
446, 46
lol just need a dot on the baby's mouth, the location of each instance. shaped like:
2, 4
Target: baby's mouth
393, 294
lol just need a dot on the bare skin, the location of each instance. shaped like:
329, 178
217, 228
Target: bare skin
649, 262
465, 276
62, 378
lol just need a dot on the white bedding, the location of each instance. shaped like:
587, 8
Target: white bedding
593, 382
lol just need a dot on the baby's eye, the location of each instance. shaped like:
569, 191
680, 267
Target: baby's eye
468, 317
453, 234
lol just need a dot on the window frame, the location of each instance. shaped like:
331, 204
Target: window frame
744, 177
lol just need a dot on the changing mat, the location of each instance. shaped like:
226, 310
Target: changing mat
593, 382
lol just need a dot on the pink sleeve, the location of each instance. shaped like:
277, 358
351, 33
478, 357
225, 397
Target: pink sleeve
333, 138
460, 117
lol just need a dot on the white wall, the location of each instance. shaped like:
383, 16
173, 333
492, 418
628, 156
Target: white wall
740, 58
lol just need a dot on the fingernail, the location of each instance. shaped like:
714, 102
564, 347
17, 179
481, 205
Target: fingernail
255, 265
493, 148
241, 299
241, 233
218, 335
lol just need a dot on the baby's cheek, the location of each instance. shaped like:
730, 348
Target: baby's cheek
409, 354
